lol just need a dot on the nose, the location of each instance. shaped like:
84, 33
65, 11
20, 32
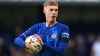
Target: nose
54, 12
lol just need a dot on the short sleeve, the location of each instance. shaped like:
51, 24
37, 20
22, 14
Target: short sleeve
65, 34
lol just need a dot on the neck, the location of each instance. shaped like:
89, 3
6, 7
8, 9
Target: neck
50, 24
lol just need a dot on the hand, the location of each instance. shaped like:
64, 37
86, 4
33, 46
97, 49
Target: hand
28, 45
39, 38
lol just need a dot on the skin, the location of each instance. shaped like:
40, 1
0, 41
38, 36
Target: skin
51, 13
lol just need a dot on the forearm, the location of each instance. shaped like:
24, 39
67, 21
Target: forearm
58, 50
19, 41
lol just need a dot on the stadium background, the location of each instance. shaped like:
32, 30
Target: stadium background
82, 17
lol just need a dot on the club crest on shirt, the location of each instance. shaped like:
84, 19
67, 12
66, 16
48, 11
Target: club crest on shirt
53, 36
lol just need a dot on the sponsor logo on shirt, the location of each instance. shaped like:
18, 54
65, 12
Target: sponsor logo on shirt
65, 34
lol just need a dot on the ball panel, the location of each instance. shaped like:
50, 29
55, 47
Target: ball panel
37, 45
29, 51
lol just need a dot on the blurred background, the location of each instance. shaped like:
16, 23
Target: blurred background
82, 17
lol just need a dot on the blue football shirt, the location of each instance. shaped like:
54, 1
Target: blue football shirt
55, 38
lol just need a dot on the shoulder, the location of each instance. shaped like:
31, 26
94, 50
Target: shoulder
38, 25
41, 24
63, 25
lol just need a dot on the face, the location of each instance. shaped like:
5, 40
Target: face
51, 13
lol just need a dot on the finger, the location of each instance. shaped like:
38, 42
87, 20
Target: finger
36, 35
29, 42
39, 38
41, 42
36, 50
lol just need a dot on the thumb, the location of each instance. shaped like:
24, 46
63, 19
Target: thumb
29, 42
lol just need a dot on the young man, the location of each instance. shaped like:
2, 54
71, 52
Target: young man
54, 35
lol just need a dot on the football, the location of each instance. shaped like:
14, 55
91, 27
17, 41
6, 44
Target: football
34, 42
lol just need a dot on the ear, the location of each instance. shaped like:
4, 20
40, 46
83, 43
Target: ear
44, 10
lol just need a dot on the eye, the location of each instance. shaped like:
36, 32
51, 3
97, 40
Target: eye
56, 9
51, 9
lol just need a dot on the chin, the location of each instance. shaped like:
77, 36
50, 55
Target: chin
52, 21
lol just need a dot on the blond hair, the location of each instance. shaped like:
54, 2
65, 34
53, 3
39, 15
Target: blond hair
50, 3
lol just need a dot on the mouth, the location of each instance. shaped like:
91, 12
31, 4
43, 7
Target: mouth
53, 16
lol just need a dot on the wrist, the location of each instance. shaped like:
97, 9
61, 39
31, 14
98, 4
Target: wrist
23, 44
